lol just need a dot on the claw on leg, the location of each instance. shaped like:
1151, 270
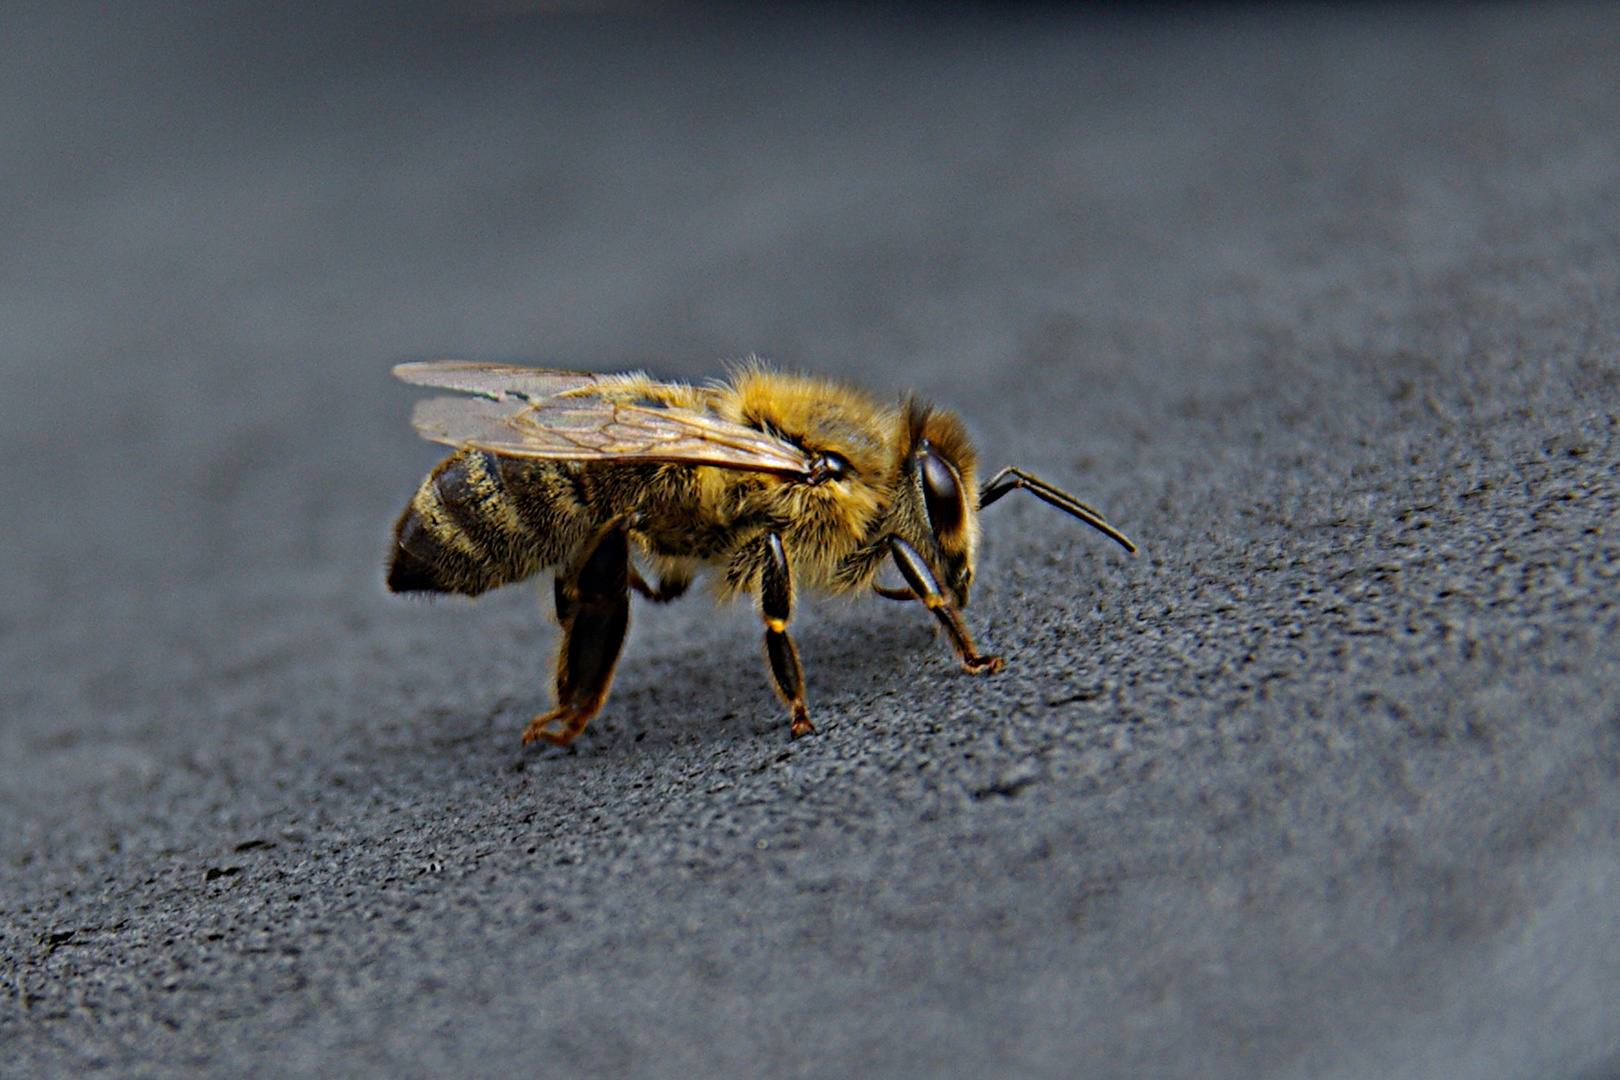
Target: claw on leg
559, 727
982, 665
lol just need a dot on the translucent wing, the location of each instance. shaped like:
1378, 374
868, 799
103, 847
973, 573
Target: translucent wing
494, 380
569, 416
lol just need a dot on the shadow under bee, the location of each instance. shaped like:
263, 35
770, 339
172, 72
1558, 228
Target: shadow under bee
710, 687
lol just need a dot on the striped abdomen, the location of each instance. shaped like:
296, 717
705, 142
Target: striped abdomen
480, 520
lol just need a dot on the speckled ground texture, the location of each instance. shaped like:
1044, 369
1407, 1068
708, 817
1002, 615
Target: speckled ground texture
1321, 306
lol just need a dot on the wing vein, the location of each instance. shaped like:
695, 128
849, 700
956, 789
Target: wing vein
575, 416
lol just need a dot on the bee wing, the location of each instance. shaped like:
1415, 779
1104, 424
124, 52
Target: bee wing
581, 427
495, 380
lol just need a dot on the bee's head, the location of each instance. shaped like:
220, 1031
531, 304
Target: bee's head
941, 500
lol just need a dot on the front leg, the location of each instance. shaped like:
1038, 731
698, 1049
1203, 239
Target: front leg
776, 606
924, 587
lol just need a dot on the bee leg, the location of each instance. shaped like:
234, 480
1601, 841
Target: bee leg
921, 580
668, 588
593, 606
776, 605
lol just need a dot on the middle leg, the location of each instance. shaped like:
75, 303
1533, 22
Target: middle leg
669, 588
776, 605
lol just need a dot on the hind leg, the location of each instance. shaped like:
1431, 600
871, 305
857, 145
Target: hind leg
593, 607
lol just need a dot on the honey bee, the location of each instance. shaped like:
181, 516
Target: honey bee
771, 482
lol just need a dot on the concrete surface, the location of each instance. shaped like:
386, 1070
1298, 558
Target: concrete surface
1320, 305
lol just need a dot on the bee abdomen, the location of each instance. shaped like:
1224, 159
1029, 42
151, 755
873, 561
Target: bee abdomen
466, 531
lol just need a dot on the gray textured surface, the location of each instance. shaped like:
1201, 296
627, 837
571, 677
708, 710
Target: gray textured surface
1321, 308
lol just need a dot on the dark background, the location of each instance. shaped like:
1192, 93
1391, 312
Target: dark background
1318, 304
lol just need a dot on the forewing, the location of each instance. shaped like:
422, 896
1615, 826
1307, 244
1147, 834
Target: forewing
495, 380
587, 428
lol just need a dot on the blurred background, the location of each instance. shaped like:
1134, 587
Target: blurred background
1317, 302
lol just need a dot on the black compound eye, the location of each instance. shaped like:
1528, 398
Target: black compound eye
942, 493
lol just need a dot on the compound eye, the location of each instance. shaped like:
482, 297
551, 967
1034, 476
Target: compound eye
942, 492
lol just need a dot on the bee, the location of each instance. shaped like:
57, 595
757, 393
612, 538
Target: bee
619, 483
